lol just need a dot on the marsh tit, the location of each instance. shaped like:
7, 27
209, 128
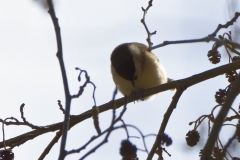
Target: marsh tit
133, 67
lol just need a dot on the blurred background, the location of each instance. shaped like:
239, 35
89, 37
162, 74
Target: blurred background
91, 29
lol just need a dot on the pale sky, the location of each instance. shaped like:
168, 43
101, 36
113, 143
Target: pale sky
91, 29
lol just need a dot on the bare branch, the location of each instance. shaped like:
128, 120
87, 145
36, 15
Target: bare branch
234, 91
228, 144
167, 115
205, 39
108, 131
50, 145
81, 88
149, 34
25, 122
229, 23
64, 78
119, 102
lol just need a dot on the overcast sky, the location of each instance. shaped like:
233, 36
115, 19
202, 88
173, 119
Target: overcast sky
91, 29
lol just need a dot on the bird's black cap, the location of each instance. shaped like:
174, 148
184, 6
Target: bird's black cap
122, 61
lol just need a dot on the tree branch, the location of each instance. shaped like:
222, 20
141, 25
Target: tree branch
149, 34
50, 145
187, 82
167, 115
229, 23
205, 39
234, 91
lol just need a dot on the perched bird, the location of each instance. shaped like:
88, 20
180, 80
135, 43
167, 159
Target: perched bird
133, 68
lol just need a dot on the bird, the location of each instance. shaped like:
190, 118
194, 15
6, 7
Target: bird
135, 68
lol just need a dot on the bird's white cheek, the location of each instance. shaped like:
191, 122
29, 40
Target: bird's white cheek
124, 86
137, 59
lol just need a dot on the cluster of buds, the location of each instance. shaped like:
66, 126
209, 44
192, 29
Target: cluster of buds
128, 151
6, 154
236, 58
220, 96
232, 75
192, 138
166, 140
214, 56
217, 154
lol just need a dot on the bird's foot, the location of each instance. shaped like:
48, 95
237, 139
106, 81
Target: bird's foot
138, 94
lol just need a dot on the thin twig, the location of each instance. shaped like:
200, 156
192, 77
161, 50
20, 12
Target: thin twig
3, 131
143, 136
61, 107
149, 34
166, 152
127, 133
229, 23
231, 118
95, 112
167, 115
110, 129
81, 88
25, 120
221, 155
210, 37
228, 144
64, 78
24, 123
204, 39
